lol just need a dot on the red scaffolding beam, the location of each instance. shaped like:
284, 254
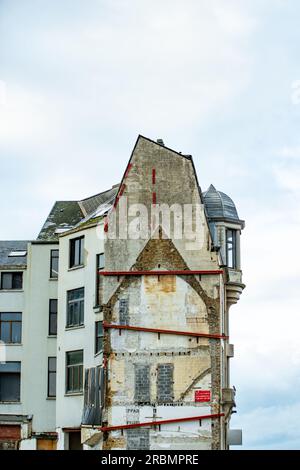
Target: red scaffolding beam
159, 273
157, 423
158, 330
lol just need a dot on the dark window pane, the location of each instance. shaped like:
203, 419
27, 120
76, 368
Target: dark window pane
53, 305
52, 385
16, 328
6, 280
9, 387
98, 336
75, 441
11, 280
17, 281
75, 307
51, 376
100, 261
5, 332
74, 371
53, 317
52, 364
10, 367
74, 357
54, 257
231, 248
53, 324
99, 328
10, 327
11, 316
76, 251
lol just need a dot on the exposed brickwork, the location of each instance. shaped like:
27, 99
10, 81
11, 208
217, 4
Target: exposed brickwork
151, 368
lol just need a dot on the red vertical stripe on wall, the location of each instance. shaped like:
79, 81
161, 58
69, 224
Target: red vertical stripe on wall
153, 176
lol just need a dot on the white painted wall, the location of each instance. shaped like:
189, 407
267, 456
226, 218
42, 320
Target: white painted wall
14, 301
36, 346
69, 408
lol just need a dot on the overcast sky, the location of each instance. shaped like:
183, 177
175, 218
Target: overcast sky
220, 80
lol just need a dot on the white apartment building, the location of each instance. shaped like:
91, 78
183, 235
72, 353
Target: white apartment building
64, 378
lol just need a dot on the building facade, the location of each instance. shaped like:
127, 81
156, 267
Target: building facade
114, 323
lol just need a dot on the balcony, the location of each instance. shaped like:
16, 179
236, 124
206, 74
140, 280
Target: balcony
234, 286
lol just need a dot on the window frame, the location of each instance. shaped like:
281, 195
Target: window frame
98, 337
80, 300
52, 257
79, 366
10, 327
98, 280
52, 313
232, 244
72, 252
11, 273
15, 373
51, 372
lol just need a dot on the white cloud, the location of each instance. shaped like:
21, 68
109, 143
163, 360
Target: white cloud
277, 427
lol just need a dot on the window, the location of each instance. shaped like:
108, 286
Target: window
17, 253
12, 280
51, 377
75, 307
76, 252
100, 261
231, 248
10, 327
74, 371
52, 317
98, 336
99, 265
142, 383
165, 383
10, 374
54, 257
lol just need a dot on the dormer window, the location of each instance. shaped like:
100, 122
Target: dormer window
231, 248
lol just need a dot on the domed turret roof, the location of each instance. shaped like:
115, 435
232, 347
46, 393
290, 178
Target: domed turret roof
219, 206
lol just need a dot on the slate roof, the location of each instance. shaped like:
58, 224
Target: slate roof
63, 215
6, 247
66, 215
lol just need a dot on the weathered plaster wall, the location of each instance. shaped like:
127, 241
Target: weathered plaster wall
187, 303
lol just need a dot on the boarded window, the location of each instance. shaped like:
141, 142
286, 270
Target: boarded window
138, 439
94, 384
46, 444
142, 383
123, 312
165, 383
10, 436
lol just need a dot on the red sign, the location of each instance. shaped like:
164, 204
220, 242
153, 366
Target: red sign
202, 395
